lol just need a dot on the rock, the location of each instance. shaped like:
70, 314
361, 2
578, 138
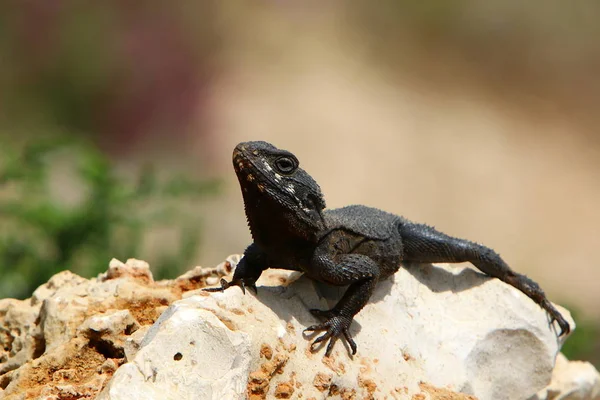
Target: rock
107, 332
72, 335
136, 269
19, 333
134, 342
429, 332
572, 380
206, 361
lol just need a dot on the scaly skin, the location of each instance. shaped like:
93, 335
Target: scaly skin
354, 245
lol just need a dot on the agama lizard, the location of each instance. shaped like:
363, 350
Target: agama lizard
354, 245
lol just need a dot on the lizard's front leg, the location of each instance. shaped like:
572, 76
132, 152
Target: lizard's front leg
362, 274
247, 272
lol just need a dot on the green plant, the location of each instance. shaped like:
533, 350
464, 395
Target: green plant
40, 235
584, 343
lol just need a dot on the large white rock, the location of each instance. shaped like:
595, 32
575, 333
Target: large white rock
187, 354
572, 380
450, 327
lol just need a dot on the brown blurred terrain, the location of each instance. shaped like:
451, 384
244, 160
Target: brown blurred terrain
478, 118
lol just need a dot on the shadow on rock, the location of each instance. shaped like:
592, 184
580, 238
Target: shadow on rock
440, 280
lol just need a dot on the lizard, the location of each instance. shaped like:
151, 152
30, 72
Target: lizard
355, 246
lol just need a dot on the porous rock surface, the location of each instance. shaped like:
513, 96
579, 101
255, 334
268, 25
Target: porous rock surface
429, 332
68, 339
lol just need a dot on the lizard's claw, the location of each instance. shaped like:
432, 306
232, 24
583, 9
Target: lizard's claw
335, 326
565, 328
555, 315
238, 282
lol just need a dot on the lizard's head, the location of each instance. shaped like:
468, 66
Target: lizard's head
273, 176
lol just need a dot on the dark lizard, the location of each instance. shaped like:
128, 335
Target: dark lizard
355, 245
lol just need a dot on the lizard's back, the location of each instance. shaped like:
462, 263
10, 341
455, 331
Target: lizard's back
365, 230
369, 222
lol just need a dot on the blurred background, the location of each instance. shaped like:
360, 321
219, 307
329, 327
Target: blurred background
117, 122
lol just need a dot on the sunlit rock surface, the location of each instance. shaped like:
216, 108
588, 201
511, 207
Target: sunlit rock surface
429, 332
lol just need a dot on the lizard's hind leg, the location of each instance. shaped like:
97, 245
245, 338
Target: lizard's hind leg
423, 243
356, 270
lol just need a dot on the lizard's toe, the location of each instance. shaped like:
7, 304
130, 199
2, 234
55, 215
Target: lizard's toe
555, 315
565, 328
350, 341
224, 285
322, 338
250, 285
239, 282
334, 327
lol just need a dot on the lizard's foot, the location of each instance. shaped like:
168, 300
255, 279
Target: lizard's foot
555, 315
533, 291
238, 282
335, 326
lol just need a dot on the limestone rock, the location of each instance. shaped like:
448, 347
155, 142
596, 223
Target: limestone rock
188, 354
428, 328
572, 380
107, 332
429, 332
18, 333
136, 269
72, 335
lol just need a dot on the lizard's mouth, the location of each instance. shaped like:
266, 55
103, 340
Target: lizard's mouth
240, 160
244, 168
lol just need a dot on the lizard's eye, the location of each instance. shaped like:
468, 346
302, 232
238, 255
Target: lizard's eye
285, 165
